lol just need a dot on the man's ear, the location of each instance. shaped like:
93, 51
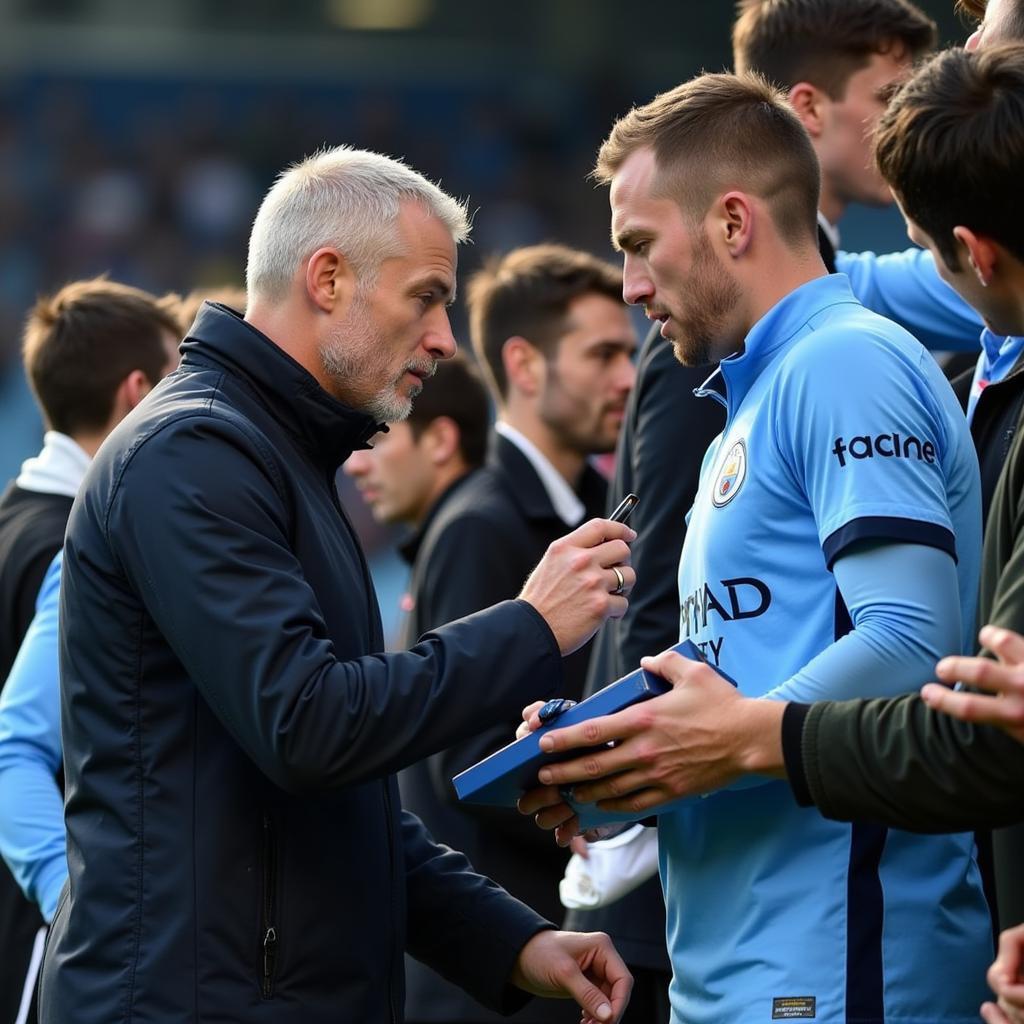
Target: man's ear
330, 280
133, 389
810, 104
732, 219
981, 254
524, 366
440, 440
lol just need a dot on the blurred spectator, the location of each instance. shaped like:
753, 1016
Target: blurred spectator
92, 351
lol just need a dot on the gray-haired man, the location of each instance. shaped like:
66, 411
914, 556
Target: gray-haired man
235, 842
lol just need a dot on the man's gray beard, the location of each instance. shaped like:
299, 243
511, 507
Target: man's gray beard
343, 365
387, 406
348, 355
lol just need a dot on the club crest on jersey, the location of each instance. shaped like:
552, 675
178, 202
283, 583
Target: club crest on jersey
731, 476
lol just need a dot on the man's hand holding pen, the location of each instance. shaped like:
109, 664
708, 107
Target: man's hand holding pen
584, 578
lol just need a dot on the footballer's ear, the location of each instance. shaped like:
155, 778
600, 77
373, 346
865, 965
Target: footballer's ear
730, 220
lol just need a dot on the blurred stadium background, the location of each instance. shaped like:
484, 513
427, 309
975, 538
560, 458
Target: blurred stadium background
137, 136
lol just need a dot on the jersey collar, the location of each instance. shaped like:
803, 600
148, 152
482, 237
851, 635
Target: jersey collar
775, 332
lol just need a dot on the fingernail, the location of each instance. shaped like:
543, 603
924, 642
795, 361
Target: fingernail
604, 1011
545, 776
546, 744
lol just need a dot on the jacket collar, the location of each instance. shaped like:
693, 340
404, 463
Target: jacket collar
327, 429
529, 493
410, 547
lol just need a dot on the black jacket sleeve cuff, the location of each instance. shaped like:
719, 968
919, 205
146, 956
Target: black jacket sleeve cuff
792, 751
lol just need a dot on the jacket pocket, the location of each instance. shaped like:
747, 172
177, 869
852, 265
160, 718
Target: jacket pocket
268, 910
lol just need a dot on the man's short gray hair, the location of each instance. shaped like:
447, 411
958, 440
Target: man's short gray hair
342, 197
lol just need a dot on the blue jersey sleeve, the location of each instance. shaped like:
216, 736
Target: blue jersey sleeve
861, 430
904, 606
906, 287
32, 838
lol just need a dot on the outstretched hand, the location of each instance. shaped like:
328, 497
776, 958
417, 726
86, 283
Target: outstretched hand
576, 965
1004, 678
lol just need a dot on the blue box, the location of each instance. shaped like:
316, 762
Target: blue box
500, 779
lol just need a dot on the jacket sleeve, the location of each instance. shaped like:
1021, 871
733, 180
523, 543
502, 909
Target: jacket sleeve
462, 924
673, 430
32, 838
468, 570
899, 763
906, 287
199, 521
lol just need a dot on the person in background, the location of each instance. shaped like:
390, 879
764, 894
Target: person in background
413, 470
92, 351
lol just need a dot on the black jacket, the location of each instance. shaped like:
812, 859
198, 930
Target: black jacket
236, 847
31, 532
477, 548
993, 425
663, 441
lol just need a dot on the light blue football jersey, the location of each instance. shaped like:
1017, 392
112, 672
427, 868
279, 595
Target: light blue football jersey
840, 428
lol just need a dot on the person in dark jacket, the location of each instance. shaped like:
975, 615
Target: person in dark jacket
92, 350
555, 318
236, 845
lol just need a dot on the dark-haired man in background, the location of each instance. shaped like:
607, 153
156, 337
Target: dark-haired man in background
410, 475
92, 350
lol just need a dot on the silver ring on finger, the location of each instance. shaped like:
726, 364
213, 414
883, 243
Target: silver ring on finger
620, 581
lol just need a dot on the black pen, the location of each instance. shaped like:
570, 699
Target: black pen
624, 509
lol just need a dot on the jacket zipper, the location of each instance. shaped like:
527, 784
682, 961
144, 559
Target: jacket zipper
269, 931
373, 624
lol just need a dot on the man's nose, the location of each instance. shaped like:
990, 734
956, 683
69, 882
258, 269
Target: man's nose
636, 284
440, 341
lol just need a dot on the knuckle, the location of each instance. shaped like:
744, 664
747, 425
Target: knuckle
647, 755
592, 766
643, 719
592, 732
579, 561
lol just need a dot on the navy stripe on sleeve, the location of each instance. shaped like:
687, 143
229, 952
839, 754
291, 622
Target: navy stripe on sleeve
912, 531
